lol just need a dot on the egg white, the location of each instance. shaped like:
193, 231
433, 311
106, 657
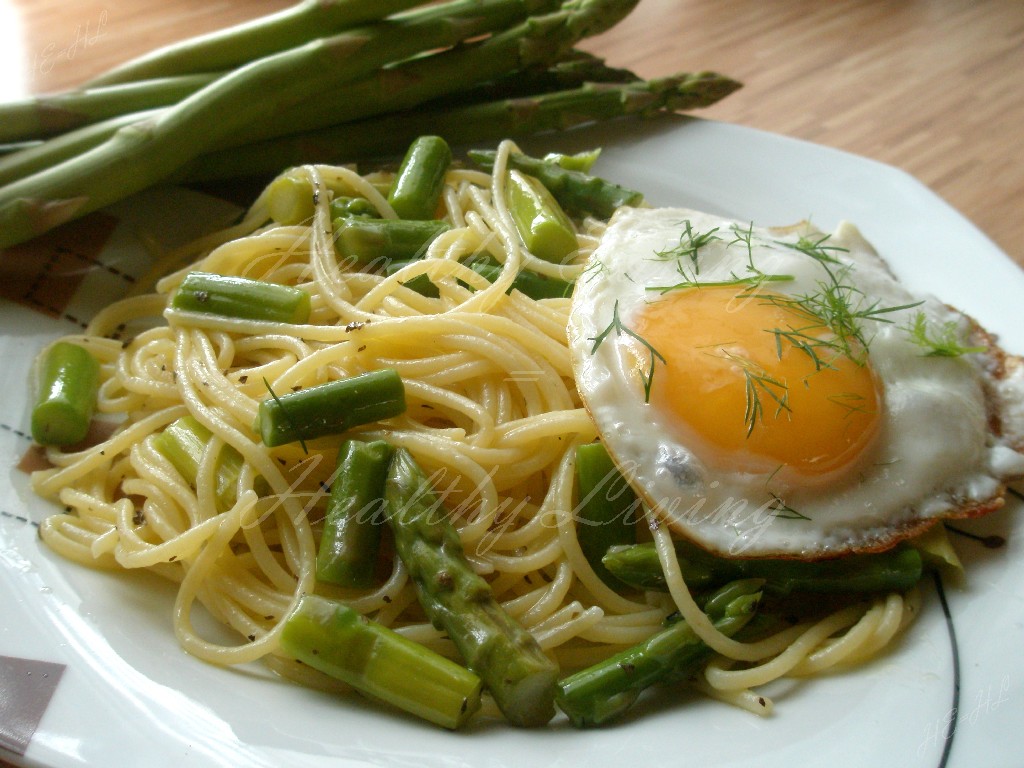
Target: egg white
936, 453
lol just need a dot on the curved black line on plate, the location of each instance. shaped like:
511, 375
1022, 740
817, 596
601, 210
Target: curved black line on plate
954, 710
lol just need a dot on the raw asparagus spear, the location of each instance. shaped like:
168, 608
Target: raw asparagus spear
43, 154
39, 117
68, 381
508, 659
896, 569
240, 104
350, 541
485, 121
603, 692
236, 45
334, 639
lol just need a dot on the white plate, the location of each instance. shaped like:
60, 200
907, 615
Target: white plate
130, 696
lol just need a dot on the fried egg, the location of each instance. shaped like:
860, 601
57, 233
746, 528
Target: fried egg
777, 392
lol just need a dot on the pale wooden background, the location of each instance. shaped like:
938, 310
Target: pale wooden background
935, 87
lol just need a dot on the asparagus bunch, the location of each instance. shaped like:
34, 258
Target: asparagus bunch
378, 73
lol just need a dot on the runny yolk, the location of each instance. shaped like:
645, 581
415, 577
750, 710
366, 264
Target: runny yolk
754, 399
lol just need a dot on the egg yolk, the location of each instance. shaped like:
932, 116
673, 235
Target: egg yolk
760, 384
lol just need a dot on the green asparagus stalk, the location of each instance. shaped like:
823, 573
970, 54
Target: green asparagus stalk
896, 569
331, 408
528, 283
68, 382
241, 103
607, 509
579, 193
336, 640
183, 441
417, 186
487, 121
546, 231
40, 117
362, 242
350, 542
43, 154
352, 207
456, 599
241, 297
577, 69
539, 40
605, 691
229, 48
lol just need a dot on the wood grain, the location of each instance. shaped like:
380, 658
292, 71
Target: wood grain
930, 86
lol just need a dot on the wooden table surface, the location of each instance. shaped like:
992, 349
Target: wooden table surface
932, 86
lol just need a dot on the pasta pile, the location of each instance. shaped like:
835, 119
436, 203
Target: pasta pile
493, 416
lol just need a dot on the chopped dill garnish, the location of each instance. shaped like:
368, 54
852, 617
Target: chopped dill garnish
690, 243
783, 511
838, 307
284, 411
816, 248
757, 381
943, 341
617, 326
746, 237
691, 282
851, 402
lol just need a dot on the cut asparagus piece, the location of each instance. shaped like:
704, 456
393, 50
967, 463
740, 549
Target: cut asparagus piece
607, 510
897, 569
68, 382
336, 640
417, 186
543, 226
331, 408
183, 441
240, 297
604, 691
350, 542
579, 193
512, 665
363, 242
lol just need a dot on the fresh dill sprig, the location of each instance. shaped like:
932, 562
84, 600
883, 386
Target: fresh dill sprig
746, 238
690, 243
783, 511
943, 341
837, 307
757, 381
617, 326
816, 248
284, 411
851, 401
752, 281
